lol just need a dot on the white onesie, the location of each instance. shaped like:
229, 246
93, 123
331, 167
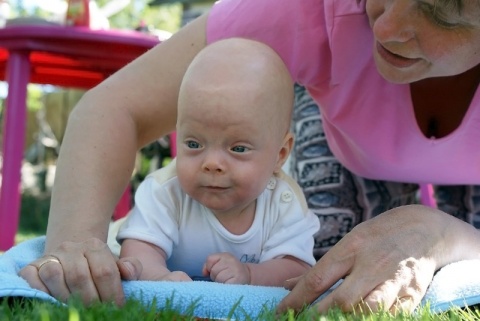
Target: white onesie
188, 232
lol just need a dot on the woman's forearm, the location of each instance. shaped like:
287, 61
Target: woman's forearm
107, 127
94, 166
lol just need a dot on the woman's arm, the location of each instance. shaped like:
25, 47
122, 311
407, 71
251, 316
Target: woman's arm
110, 123
130, 109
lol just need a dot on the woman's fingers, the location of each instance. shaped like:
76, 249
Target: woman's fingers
77, 276
291, 283
348, 295
31, 273
50, 272
404, 305
105, 275
321, 277
87, 269
405, 290
392, 289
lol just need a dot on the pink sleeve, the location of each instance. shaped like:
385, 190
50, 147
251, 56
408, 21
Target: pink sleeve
295, 29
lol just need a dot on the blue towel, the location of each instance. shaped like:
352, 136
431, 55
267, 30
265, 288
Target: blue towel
456, 285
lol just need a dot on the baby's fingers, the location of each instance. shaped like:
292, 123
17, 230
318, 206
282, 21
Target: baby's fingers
210, 263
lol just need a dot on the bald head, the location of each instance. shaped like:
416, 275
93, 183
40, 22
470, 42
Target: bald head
240, 74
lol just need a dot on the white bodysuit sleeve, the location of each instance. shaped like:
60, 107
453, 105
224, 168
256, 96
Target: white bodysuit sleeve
153, 219
292, 227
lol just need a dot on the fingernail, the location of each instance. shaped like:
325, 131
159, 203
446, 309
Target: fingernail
288, 280
129, 266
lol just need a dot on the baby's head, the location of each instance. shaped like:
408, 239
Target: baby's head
234, 111
239, 76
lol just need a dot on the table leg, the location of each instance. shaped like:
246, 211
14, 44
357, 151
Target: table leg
17, 76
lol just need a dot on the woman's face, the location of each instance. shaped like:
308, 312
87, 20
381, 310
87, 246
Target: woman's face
414, 39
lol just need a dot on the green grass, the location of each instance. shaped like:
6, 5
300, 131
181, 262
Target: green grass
33, 214
27, 309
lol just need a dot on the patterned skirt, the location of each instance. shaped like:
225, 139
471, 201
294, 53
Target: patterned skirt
342, 199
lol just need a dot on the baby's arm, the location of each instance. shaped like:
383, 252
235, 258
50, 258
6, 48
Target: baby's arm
225, 268
276, 271
153, 260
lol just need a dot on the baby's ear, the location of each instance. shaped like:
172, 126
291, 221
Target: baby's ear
284, 151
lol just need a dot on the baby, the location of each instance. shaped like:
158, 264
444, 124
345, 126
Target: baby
224, 209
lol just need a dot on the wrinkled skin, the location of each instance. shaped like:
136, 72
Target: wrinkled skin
386, 262
101, 282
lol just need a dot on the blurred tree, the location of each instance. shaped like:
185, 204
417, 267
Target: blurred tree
34, 97
165, 17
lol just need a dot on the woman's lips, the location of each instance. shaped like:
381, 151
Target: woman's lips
395, 60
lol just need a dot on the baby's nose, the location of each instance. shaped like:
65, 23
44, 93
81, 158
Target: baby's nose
213, 164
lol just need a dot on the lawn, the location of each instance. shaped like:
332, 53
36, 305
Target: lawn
21, 309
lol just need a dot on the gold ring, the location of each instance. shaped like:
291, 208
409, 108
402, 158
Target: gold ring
48, 261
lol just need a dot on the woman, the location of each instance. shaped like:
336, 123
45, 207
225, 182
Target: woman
396, 83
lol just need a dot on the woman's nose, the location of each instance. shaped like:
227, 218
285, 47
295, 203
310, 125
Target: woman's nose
393, 24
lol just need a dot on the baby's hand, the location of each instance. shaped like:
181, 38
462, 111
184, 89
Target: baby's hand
225, 268
176, 276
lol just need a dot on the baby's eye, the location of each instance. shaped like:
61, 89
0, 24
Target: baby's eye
192, 144
240, 149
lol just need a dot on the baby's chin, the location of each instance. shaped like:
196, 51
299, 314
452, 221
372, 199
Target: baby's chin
222, 207
213, 202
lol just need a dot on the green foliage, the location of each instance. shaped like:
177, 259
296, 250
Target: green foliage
34, 97
165, 17
34, 214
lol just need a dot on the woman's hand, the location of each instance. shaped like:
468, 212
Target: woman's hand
387, 262
87, 269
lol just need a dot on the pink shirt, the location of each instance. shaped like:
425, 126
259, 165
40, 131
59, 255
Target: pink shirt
369, 123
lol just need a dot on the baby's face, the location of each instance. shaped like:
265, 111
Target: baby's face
227, 149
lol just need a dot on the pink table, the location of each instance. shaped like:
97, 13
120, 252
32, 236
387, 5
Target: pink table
56, 55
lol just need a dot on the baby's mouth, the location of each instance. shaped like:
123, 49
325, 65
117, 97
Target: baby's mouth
219, 188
